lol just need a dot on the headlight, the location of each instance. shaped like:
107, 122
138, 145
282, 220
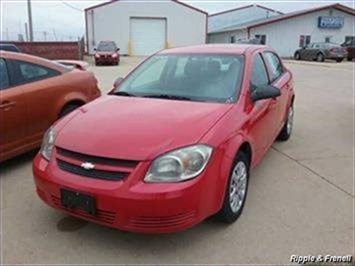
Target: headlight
97, 55
47, 144
179, 165
114, 55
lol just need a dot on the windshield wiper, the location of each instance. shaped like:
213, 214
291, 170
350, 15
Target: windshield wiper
124, 93
167, 96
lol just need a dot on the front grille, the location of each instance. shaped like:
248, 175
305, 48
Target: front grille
93, 173
96, 159
102, 216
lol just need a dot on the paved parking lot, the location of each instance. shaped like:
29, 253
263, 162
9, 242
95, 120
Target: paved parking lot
300, 199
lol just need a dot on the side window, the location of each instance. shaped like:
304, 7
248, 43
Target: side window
258, 72
26, 72
274, 65
4, 75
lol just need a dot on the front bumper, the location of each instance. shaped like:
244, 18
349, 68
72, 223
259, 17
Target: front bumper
131, 204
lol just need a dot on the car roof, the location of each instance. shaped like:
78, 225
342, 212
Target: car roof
214, 49
33, 59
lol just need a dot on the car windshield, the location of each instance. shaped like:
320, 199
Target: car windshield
106, 47
197, 77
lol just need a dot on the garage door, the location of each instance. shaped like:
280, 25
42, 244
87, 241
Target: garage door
147, 35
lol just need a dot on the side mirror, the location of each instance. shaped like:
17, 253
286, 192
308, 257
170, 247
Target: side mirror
118, 49
95, 49
116, 84
264, 92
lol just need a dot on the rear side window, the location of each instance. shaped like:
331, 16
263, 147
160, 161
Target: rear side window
258, 72
25, 72
4, 75
274, 64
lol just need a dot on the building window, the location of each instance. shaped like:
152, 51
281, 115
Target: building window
232, 39
261, 37
304, 40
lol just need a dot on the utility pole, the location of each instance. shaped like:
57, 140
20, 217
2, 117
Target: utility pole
26, 31
55, 35
30, 20
45, 35
7, 34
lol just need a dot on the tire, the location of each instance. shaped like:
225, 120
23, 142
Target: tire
350, 59
297, 56
232, 209
286, 131
320, 57
68, 109
339, 60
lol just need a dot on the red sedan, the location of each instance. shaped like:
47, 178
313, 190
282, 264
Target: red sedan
173, 143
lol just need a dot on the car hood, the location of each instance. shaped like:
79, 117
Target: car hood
136, 128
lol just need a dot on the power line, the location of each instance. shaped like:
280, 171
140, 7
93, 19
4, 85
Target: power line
73, 7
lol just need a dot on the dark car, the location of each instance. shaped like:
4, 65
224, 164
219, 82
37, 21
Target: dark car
9, 48
349, 45
107, 53
320, 51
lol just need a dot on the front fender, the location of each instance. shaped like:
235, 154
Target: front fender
229, 149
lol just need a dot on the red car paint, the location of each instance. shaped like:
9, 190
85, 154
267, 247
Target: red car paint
137, 130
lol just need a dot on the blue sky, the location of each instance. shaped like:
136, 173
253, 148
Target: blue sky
64, 20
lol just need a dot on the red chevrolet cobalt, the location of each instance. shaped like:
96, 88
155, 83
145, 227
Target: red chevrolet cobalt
173, 143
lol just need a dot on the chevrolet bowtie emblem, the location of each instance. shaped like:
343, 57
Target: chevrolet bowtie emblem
87, 166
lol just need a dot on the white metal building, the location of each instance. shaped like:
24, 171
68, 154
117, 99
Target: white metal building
237, 16
145, 27
286, 33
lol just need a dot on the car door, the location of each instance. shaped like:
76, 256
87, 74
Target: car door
38, 91
280, 79
13, 115
262, 112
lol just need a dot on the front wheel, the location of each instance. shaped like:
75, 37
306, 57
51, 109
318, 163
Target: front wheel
68, 109
286, 131
320, 57
236, 190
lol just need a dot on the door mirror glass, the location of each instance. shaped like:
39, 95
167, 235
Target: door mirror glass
264, 92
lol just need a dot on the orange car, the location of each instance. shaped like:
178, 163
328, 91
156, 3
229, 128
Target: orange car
35, 92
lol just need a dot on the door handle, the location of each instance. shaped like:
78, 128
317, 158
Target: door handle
7, 105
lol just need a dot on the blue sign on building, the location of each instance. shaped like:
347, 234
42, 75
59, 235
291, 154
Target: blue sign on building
326, 22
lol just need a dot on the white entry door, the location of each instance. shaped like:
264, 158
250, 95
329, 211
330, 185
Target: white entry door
148, 35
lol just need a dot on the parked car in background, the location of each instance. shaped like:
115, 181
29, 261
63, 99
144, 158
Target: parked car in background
35, 92
107, 53
9, 48
173, 143
320, 51
350, 47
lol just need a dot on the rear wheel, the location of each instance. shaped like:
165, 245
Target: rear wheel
286, 131
68, 109
236, 190
339, 60
350, 59
297, 56
320, 57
